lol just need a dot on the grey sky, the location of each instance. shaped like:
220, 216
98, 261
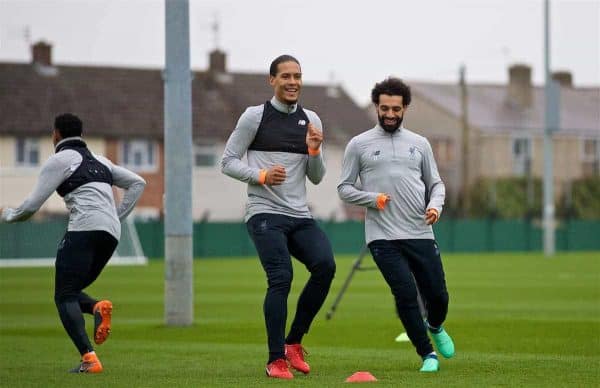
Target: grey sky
353, 42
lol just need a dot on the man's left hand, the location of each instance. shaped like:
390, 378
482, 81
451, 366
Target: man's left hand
431, 216
314, 137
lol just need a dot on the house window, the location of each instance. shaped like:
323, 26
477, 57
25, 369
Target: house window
443, 150
27, 152
205, 155
591, 157
139, 155
522, 156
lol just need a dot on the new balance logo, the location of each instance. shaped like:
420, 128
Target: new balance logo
301, 122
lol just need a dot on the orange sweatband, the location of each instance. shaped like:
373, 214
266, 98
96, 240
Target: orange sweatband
381, 201
262, 176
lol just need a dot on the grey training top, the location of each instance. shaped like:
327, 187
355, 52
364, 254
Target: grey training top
91, 206
289, 198
401, 165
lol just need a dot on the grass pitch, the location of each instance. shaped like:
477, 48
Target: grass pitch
516, 320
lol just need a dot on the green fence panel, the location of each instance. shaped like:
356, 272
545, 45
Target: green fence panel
151, 234
537, 235
472, 235
31, 239
222, 239
510, 235
582, 235
345, 237
561, 236
40, 239
444, 235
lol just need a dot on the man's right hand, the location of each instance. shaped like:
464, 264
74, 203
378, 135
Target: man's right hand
275, 175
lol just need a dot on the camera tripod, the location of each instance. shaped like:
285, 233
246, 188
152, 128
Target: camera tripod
357, 266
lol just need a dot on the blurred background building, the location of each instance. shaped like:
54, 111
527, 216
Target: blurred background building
122, 111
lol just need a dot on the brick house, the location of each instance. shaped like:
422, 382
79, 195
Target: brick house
122, 111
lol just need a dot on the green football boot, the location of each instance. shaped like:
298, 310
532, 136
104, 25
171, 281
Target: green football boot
430, 364
443, 342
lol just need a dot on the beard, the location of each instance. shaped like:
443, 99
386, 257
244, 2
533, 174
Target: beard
390, 128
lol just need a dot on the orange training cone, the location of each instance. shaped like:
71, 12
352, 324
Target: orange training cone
361, 377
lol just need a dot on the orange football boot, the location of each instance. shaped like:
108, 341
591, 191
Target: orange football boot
279, 369
295, 355
102, 315
89, 364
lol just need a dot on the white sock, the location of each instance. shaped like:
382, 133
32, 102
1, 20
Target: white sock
431, 355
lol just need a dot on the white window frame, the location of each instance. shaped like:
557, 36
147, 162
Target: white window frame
593, 160
590, 158
518, 164
139, 147
30, 144
209, 150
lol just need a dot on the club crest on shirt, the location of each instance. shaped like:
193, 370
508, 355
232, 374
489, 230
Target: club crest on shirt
301, 122
411, 152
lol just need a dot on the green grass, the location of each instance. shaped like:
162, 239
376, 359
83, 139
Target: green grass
516, 319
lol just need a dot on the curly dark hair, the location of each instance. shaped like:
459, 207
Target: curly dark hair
280, 59
392, 87
68, 125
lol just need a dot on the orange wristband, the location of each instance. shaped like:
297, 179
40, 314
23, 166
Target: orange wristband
381, 201
262, 176
312, 152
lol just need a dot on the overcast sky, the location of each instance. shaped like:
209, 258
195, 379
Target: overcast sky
352, 42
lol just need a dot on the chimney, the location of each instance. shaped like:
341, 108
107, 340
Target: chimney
564, 78
519, 86
41, 53
217, 61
